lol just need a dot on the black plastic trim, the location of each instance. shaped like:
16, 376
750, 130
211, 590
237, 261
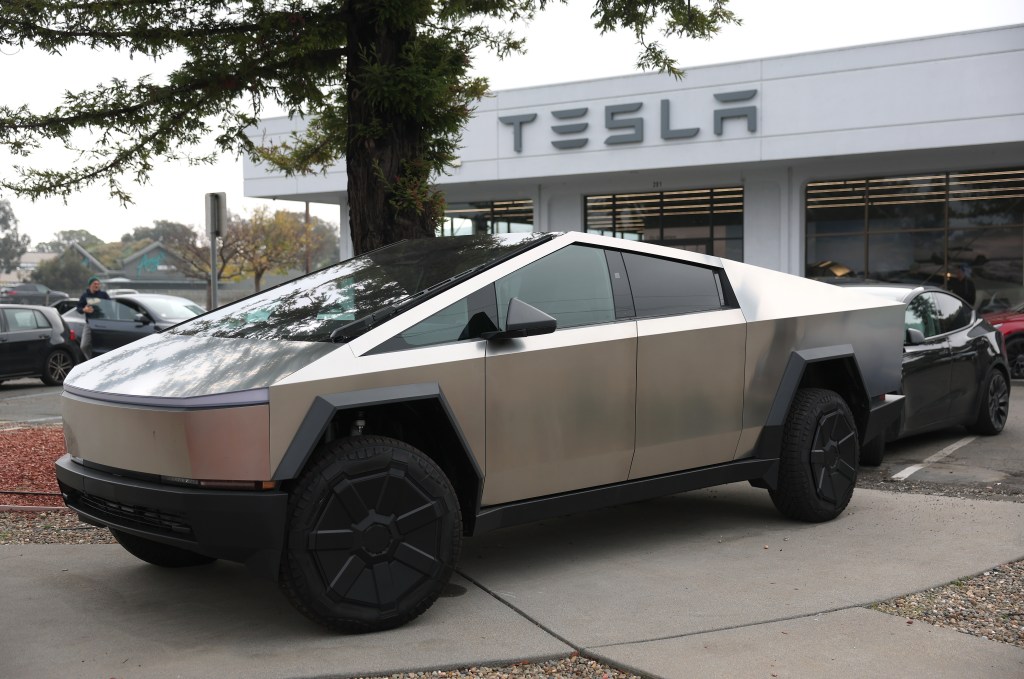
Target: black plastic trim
320, 414
769, 443
588, 499
243, 526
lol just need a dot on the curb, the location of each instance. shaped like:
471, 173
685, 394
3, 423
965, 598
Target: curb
30, 508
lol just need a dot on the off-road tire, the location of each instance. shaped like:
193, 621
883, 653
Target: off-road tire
993, 405
56, 367
374, 533
819, 459
159, 554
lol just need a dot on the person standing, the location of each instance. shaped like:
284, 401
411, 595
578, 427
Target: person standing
962, 285
88, 305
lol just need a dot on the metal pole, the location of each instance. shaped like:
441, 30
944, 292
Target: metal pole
216, 216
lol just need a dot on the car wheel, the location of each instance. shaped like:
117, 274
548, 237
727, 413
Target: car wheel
1015, 355
872, 452
994, 405
819, 458
374, 534
159, 554
58, 364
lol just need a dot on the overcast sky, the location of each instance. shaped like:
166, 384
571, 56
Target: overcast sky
562, 45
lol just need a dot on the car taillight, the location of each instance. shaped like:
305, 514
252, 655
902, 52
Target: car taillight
73, 338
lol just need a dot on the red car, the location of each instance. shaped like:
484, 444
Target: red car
1011, 324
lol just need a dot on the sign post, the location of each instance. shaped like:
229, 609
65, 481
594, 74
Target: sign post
216, 220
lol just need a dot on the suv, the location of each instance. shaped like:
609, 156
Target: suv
342, 432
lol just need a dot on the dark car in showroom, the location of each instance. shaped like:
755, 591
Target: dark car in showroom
1011, 324
340, 433
30, 293
955, 368
36, 342
129, 317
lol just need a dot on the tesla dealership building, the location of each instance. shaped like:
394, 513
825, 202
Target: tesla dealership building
897, 161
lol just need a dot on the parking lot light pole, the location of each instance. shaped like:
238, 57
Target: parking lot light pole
216, 217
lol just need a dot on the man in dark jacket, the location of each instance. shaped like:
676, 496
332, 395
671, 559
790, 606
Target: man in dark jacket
88, 305
961, 284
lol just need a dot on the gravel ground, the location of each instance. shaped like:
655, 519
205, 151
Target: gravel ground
989, 605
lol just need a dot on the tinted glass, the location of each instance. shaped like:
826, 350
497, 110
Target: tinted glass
663, 287
172, 309
466, 319
920, 315
25, 319
950, 313
572, 285
369, 289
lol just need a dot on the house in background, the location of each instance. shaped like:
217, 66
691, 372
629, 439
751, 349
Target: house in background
28, 263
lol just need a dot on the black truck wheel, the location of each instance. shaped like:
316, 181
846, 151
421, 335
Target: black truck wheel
819, 458
158, 553
993, 406
374, 534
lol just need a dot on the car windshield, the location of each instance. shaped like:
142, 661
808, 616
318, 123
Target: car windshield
348, 298
169, 309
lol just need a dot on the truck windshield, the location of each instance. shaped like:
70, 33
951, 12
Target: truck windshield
341, 301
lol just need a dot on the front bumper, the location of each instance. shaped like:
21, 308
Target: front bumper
243, 526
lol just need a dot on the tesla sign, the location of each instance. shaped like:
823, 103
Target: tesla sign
627, 123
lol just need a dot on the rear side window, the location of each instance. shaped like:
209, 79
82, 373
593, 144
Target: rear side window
950, 313
665, 287
25, 319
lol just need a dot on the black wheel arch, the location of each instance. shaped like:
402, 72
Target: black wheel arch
834, 368
417, 414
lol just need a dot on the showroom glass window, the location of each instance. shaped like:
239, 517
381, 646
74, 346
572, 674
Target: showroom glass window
490, 217
709, 221
920, 229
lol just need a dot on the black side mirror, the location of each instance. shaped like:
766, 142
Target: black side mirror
914, 336
142, 318
523, 320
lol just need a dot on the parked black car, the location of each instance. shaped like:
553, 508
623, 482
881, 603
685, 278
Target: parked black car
36, 342
955, 370
30, 293
126, 318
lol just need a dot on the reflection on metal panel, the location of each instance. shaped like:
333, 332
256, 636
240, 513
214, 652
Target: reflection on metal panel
560, 411
224, 444
178, 366
876, 336
457, 368
690, 376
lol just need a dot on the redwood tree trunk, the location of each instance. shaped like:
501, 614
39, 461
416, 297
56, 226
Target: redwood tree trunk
377, 155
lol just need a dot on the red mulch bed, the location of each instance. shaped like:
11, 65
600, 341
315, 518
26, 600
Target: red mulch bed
27, 455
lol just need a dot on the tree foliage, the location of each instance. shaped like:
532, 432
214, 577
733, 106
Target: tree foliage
62, 239
386, 84
12, 244
63, 273
267, 242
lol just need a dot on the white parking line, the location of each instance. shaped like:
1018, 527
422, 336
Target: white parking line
945, 452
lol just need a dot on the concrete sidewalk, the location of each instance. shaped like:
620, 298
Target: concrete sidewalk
706, 584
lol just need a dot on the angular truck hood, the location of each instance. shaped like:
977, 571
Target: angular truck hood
169, 366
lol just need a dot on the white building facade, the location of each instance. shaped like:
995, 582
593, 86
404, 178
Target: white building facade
897, 161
